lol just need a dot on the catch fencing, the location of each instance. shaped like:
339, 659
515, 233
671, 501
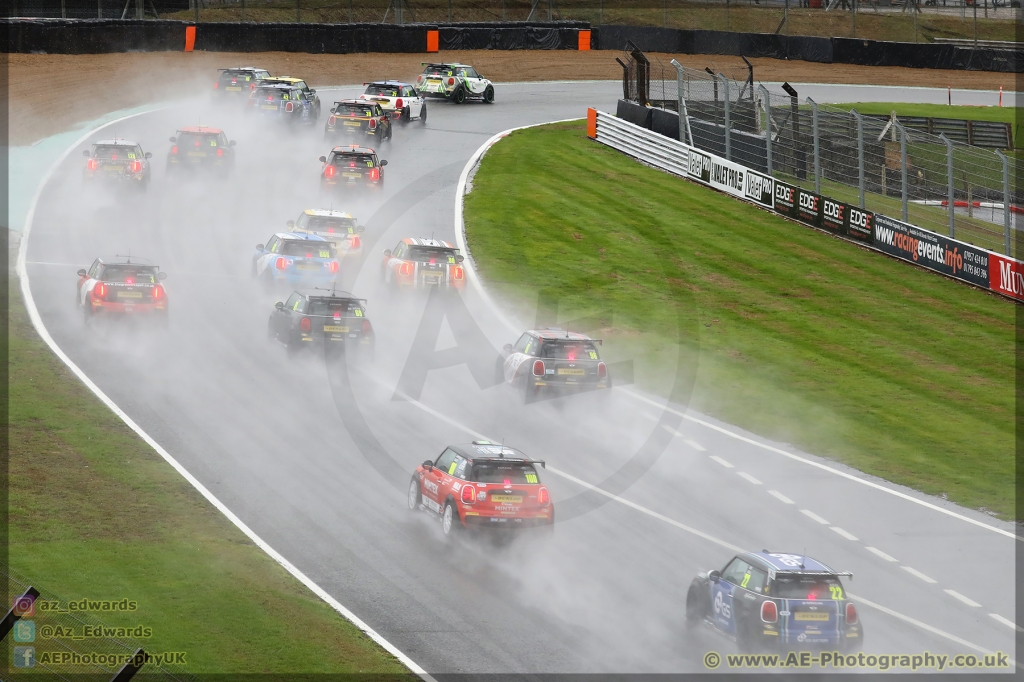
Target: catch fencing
921, 170
898, 238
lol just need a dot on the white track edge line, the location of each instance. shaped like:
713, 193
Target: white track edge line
40, 328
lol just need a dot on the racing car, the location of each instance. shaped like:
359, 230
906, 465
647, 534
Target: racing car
555, 360
351, 166
337, 227
482, 485
454, 82
399, 100
315, 318
201, 147
117, 161
355, 118
285, 103
418, 263
775, 601
296, 259
308, 92
122, 288
238, 82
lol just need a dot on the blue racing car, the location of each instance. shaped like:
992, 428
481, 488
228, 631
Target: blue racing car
296, 259
773, 601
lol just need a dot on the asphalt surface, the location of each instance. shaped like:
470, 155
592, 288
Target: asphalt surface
316, 458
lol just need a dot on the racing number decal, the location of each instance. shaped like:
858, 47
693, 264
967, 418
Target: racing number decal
531, 478
451, 469
296, 305
746, 579
358, 312
593, 355
836, 590
325, 254
451, 259
213, 143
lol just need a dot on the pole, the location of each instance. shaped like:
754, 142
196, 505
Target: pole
855, 24
766, 98
99, 9
350, 11
817, 155
728, 132
799, 159
197, 10
975, 5
949, 185
298, 11
685, 134
450, 11
785, 16
728, 23
243, 9
860, 153
904, 199
1006, 200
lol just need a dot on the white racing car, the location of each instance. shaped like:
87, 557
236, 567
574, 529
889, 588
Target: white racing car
400, 100
454, 82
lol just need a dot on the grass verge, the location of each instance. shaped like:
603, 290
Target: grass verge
95, 512
797, 336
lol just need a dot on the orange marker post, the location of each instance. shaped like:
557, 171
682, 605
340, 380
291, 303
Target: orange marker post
592, 124
432, 41
584, 41
190, 38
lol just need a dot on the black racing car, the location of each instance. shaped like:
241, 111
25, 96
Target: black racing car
552, 359
775, 601
117, 161
351, 166
236, 83
285, 104
353, 118
201, 147
319, 319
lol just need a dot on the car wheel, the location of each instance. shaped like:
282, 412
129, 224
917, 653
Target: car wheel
450, 522
489, 95
406, 116
415, 496
293, 348
530, 391
459, 96
423, 114
694, 607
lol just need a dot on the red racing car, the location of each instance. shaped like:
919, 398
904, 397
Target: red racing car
482, 485
419, 263
122, 289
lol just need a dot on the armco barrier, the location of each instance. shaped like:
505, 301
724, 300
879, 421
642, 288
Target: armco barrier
563, 35
312, 38
956, 259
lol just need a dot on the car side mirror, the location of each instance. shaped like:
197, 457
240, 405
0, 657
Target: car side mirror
323, 159
161, 275
427, 464
384, 162
312, 91
174, 139
387, 252
507, 348
290, 223
714, 576
360, 228
85, 152
149, 155
279, 305
460, 258
82, 273
231, 143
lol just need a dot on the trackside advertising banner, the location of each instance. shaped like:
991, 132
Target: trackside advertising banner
942, 254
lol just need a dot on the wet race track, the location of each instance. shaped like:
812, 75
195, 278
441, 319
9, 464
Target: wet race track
316, 457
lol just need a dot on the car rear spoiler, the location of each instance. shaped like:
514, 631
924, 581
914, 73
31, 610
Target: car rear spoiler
827, 574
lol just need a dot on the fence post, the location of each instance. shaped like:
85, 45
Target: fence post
903, 167
766, 98
685, 135
1006, 200
817, 149
949, 184
860, 153
728, 135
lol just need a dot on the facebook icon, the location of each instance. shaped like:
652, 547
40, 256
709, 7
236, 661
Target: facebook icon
24, 657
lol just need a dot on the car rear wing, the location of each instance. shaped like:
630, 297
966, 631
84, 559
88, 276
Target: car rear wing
822, 574
513, 460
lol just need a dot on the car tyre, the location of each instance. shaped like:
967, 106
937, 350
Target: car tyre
423, 114
406, 116
414, 497
459, 94
451, 524
694, 608
293, 348
489, 95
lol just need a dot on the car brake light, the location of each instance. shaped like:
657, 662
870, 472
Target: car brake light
572, 356
113, 157
451, 81
399, 103
234, 81
468, 494
158, 292
305, 325
337, 316
334, 266
812, 595
252, 86
289, 107
458, 272
270, 98
129, 280
220, 151
329, 172
538, 368
352, 164
602, 370
174, 149
136, 166
93, 164
373, 124
543, 497
375, 174
367, 327
281, 264
355, 242
216, 85
332, 120
769, 611
851, 614
433, 261
99, 291
405, 269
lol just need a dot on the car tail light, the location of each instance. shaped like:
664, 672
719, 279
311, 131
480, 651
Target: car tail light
129, 280
571, 356
399, 103
602, 370
458, 272
373, 124
270, 98
93, 164
174, 149
305, 325
99, 291
769, 611
375, 174
252, 86
542, 496
538, 368
405, 269
419, 78
113, 157
367, 327
329, 172
281, 264
234, 81
851, 614
468, 494
332, 120
216, 85
220, 151
158, 292
289, 107
136, 166
355, 242
334, 266
433, 261
451, 81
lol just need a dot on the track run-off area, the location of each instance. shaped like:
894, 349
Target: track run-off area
315, 460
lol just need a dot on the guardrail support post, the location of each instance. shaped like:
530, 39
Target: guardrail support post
685, 135
766, 98
728, 136
860, 153
817, 149
903, 167
949, 184
1006, 201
